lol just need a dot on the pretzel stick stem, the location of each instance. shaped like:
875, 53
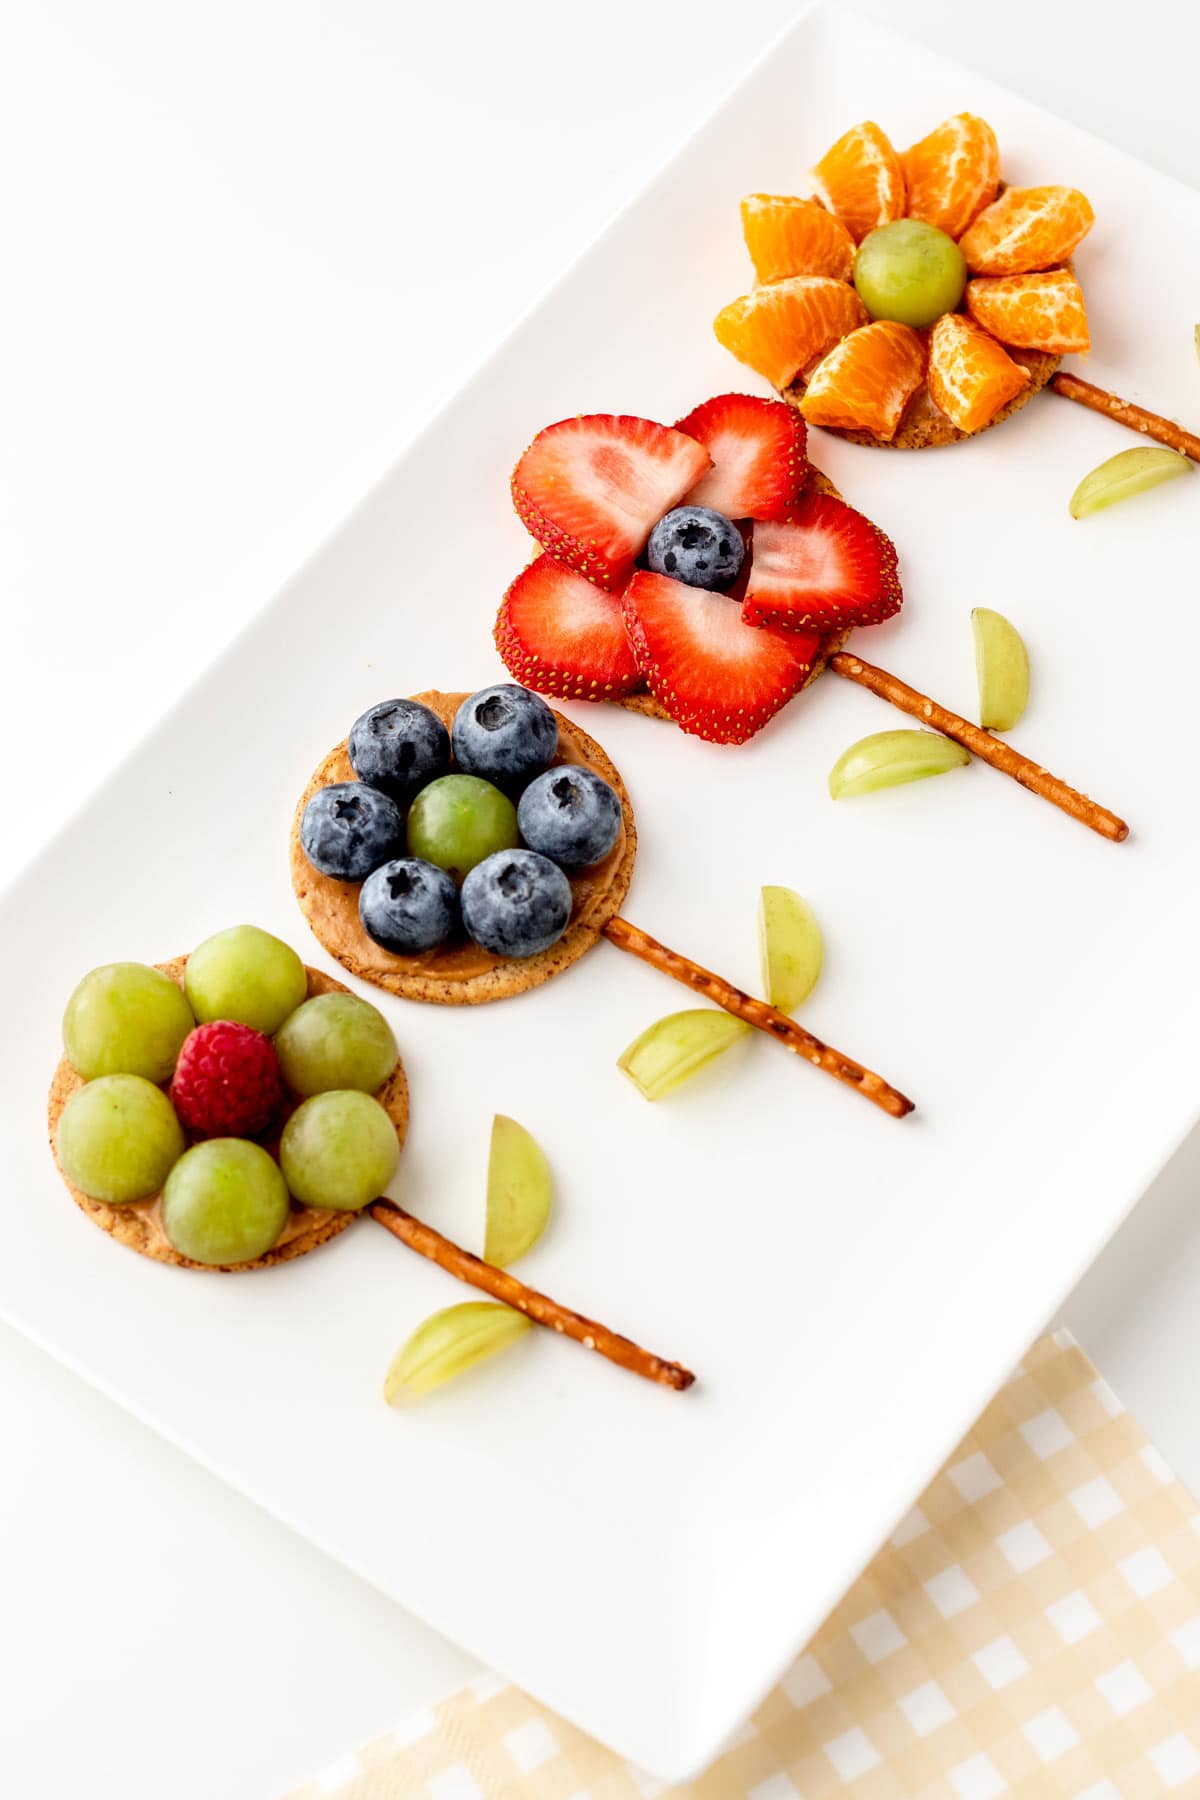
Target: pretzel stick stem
757, 1013
539, 1307
1165, 431
981, 743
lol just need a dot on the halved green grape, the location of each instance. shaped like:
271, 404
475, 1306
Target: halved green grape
790, 947
335, 1041
520, 1193
1002, 669
126, 1019
225, 1202
339, 1150
448, 1344
459, 821
673, 1049
909, 271
118, 1139
888, 758
1127, 473
247, 975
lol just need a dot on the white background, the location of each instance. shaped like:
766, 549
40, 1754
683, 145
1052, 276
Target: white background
248, 249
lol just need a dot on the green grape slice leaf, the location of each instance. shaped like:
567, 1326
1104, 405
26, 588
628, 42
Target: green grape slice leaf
888, 758
520, 1193
1129, 472
449, 1343
790, 947
673, 1049
1002, 669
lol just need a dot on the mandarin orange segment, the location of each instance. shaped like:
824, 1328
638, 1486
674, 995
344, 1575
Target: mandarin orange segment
1033, 312
780, 328
861, 180
952, 174
971, 377
787, 236
867, 380
1027, 229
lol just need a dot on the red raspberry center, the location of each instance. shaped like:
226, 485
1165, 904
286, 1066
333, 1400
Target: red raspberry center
227, 1081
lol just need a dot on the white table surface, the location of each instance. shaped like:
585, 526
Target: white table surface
250, 248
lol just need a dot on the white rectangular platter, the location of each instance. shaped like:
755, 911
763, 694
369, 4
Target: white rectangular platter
850, 1289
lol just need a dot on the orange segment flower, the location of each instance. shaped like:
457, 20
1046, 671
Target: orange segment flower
1043, 311
953, 173
971, 376
804, 326
861, 180
867, 380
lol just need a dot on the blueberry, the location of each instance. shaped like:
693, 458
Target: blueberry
349, 829
408, 906
398, 746
696, 545
516, 903
506, 734
570, 815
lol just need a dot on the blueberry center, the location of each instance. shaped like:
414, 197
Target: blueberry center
565, 793
401, 884
347, 808
493, 713
696, 545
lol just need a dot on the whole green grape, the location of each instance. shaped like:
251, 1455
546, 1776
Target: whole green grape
247, 975
126, 1019
339, 1150
225, 1201
459, 820
118, 1139
910, 272
336, 1041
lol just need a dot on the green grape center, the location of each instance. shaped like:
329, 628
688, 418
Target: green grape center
459, 820
910, 272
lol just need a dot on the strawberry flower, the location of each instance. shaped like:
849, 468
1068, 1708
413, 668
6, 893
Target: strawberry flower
588, 619
912, 300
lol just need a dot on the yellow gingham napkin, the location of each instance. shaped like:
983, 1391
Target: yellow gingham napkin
1032, 1629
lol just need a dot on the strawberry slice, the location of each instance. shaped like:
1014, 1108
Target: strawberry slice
558, 633
758, 452
591, 489
822, 568
716, 677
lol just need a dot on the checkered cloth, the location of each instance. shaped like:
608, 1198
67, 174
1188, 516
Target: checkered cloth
1032, 1629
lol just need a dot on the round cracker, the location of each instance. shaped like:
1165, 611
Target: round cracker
650, 708
331, 907
138, 1225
